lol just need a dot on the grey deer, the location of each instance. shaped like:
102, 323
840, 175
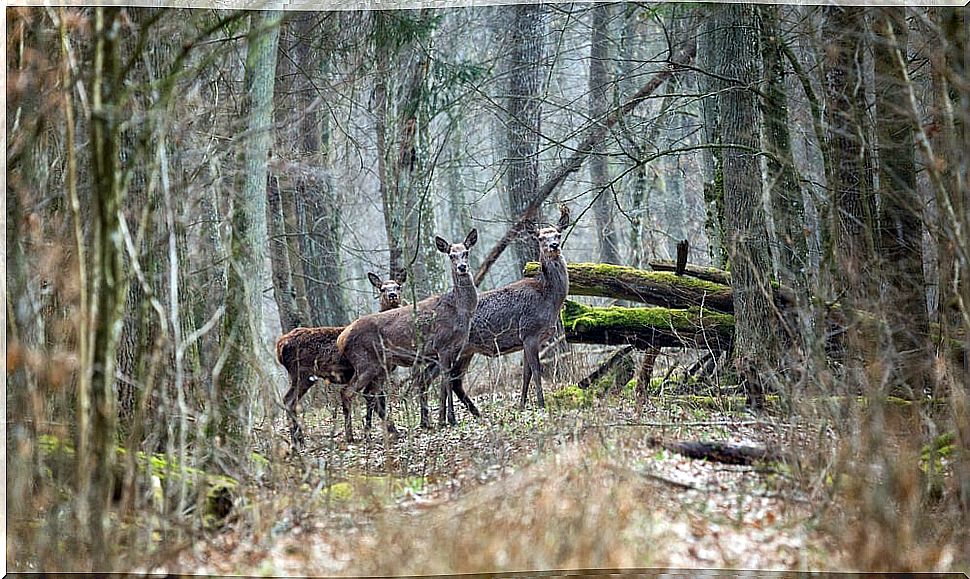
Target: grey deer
310, 354
519, 316
428, 336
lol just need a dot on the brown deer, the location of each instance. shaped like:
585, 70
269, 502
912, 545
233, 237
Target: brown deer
428, 336
310, 354
518, 316
389, 291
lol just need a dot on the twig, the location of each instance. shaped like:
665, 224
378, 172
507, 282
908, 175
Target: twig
671, 482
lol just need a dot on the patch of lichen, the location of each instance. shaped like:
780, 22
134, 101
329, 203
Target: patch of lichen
578, 317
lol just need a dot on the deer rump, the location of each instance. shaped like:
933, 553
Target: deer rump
313, 352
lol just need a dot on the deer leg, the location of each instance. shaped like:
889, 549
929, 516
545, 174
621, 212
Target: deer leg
362, 382
346, 399
446, 408
531, 369
379, 402
369, 403
299, 385
456, 374
445, 383
420, 381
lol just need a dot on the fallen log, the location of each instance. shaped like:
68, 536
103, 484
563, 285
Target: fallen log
650, 287
648, 328
660, 288
724, 452
721, 276
618, 357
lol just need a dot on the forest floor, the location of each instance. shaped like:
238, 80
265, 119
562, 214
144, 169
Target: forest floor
579, 486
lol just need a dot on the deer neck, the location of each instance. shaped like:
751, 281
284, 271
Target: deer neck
555, 280
464, 288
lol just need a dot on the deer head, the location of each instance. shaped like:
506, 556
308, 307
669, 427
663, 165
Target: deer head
550, 238
458, 252
390, 290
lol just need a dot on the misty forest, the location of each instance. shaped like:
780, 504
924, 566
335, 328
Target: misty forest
487, 289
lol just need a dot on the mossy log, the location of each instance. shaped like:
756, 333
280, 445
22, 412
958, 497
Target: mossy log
713, 274
647, 328
219, 491
661, 288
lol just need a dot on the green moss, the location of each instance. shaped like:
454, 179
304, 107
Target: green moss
51, 445
622, 273
937, 451
577, 317
341, 491
570, 398
219, 489
374, 489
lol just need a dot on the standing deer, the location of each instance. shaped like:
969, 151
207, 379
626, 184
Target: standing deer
310, 354
389, 291
518, 316
428, 336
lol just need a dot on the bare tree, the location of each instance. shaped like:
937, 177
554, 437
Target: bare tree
242, 325
900, 238
755, 342
599, 105
851, 206
785, 192
527, 34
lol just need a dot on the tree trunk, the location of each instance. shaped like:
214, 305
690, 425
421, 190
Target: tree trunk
108, 286
599, 106
243, 318
701, 272
785, 192
713, 181
398, 93
283, 290
851, 210
577, 159
524, 107
309, 203
900, 220
755, 342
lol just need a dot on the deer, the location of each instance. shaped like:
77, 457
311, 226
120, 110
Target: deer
310, 354
519, 316
427, 337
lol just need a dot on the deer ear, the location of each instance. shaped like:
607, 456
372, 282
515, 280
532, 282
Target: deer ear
563, 217
471, 239
441, 244
375, 280
404, 277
